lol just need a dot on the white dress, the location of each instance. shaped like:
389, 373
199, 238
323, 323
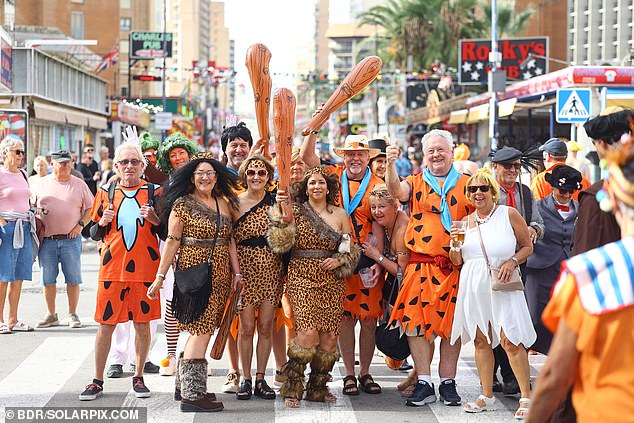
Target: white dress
478, 306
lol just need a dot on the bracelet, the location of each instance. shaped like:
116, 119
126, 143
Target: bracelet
455, 249
517, 262
381, 258
237, 274
160, 275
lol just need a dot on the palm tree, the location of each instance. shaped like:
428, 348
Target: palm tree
427, 30
510, 22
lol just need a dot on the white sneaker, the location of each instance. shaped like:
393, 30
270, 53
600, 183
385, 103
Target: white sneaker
73, 321
232, 383
168, 366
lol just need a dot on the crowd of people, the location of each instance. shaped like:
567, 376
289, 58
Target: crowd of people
453, 251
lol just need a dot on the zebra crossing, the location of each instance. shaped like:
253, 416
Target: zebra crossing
54, 372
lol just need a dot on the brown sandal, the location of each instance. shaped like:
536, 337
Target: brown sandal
350, 388
368, 385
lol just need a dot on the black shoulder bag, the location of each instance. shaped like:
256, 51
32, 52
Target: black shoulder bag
192, 286
389, 340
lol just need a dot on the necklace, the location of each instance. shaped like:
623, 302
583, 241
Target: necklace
482, 220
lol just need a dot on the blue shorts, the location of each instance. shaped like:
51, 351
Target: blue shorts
64, 251
15, 265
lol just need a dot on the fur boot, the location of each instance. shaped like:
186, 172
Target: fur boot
298, 358
193, 376
348, 261
177, 379
320, 367
281, 235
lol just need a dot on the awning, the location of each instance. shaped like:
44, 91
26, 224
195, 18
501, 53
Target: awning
97, 122
506, 107
478, 113
48, 112
76, 118
623, 97
458, 116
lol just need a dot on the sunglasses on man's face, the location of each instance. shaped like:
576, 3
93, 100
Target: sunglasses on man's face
511, 166
133, 162
474, 188
19, 152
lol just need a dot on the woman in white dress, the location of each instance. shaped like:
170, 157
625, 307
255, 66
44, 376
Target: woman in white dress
485, 316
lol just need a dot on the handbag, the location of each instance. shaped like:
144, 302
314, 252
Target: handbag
515, 281
192, 279
389, 340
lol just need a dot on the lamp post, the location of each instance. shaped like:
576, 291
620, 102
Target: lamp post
496, 78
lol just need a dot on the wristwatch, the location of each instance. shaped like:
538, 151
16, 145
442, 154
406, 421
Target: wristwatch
517, 262
380, 259
81, 223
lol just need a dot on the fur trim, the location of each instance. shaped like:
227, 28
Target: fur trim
349, 261
193, 376
320, 366
177, 377
294, 369
280, 236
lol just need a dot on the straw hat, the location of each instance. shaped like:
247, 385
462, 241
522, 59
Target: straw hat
356, 143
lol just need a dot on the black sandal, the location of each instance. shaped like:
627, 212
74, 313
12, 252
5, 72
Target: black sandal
245, 390
263, 390
368, 385
350, 389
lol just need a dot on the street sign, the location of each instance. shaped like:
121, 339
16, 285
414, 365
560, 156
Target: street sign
573, 105
163, 121
149, 45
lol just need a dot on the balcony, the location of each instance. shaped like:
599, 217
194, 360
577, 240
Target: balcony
37, 73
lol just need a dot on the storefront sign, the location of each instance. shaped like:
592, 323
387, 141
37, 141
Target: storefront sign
6, 61
522, 58
149, 45
127, 113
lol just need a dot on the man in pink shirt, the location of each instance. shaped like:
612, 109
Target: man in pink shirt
67, 201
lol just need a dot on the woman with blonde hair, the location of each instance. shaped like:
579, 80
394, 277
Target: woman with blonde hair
40, 167
486, 316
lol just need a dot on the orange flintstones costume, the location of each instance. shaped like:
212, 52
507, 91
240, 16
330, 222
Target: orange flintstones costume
360, 302
427, 298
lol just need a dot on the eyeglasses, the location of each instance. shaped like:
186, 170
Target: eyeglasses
207, 173
89, 151
19, 152
474, 188
511, 166
260, 172
566, 191
133, 162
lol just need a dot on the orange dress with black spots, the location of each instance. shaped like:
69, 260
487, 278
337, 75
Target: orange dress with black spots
427, 298
129, 258
360, 302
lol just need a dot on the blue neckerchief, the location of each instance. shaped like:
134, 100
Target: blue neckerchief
232, 170
450, 182
348, 205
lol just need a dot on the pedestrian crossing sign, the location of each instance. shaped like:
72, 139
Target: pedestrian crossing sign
573, 105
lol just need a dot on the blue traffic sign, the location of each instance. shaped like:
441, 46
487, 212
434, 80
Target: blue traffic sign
573, 105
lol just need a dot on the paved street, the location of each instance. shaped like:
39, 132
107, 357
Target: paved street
50, 367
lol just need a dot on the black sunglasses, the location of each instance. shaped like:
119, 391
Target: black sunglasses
509, 166
474, 188
19, 152
566, 191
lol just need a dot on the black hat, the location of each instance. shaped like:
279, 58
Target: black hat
506, 154
564, 177
555, 147
379, 144
61, 156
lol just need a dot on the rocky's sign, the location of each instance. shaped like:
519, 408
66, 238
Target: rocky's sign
531, 53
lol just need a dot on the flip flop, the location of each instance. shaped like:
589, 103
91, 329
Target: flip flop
21, 327
4, 329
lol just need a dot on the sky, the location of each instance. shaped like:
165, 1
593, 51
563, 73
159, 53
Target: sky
281, 25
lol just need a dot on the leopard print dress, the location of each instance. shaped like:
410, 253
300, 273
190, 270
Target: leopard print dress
261, 268
199, 223
316, 296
